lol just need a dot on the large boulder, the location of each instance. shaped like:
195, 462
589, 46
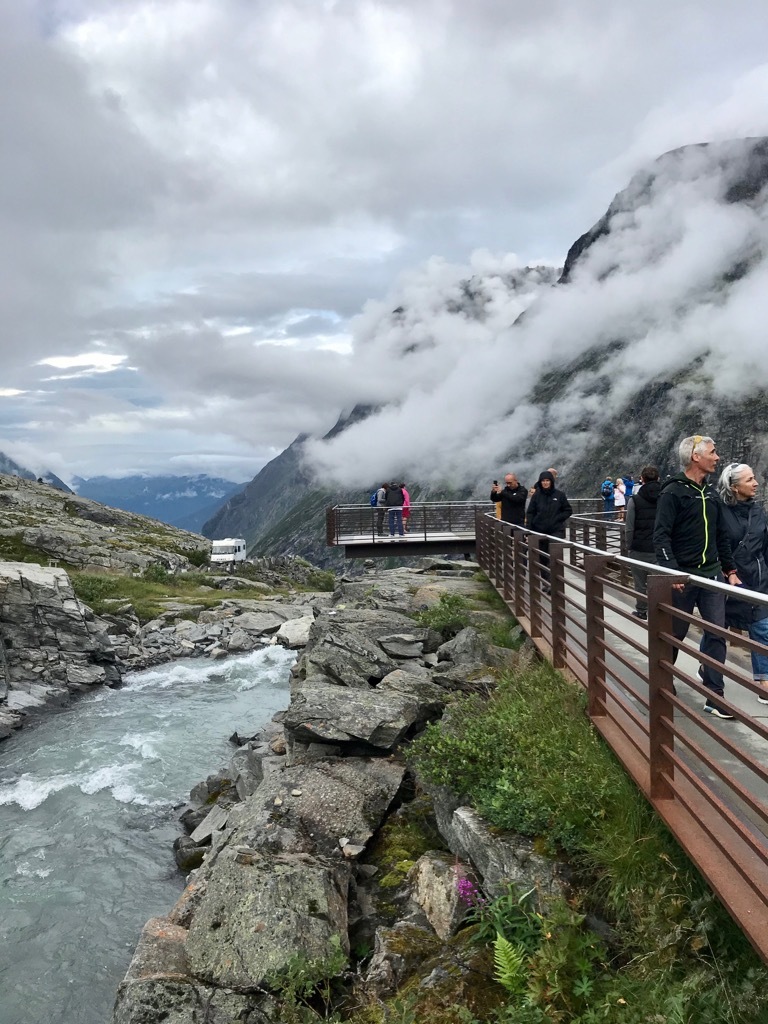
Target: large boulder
259, 910
160, 987
381, 716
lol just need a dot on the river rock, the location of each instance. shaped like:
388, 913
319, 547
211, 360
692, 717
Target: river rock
260, 911
159, 987
505, 859
295, 632
324, 713
434, 879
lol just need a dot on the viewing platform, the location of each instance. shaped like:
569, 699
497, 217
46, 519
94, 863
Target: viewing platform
433, 528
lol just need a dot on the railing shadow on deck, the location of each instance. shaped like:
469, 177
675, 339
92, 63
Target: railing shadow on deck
706, 778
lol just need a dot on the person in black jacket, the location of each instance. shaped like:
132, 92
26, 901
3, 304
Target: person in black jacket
548, 512
690, 535
638, 532
512, 498
395, 501
747, 528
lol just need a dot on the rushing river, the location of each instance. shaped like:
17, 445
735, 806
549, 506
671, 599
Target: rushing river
87, 819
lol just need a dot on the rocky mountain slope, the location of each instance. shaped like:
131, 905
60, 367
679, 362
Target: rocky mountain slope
653, 331
12, 468
40, 523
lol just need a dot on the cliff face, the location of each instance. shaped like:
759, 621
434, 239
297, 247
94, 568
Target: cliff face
51, 645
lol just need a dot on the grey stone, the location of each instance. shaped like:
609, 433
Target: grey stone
501, 860
466, 646
434, 879
216, 819
295, 632
322, 712
257, 913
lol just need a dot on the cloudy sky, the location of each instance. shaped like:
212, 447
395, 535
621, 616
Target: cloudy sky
200, 197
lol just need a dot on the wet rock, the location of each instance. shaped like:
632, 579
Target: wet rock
188, 854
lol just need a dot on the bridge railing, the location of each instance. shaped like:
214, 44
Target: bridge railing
423, 519
426, 520
707, 778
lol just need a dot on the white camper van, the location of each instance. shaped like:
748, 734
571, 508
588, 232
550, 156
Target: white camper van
230, 549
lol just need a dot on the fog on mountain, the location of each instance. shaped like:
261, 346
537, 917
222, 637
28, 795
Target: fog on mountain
654, 330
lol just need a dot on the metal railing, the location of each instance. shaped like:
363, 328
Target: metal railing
346, 524
706, 778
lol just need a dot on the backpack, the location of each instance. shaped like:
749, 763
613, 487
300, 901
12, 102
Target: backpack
607, 489
373, 499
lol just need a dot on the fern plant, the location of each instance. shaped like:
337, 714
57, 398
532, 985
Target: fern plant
509, 965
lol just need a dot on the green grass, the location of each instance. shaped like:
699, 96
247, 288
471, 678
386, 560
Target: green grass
101, 591
531, 762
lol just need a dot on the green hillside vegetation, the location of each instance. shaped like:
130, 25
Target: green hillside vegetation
529, 760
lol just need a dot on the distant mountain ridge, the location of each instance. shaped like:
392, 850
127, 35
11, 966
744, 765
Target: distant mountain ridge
182, 501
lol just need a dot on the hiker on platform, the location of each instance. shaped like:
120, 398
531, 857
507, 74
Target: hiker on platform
747, 528
548, 512
619, 498
607, 494
691, 535
395, 502
638, 532
512, 498
629, 485
381, 504
406, 508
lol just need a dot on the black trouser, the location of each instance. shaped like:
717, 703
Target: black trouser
640, 577
380, 520
711, 607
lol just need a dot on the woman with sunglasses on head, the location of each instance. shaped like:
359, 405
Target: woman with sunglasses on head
747, 528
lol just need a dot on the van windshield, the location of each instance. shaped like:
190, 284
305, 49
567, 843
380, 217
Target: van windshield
223, 549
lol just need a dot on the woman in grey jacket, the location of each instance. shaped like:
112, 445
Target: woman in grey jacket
747, 528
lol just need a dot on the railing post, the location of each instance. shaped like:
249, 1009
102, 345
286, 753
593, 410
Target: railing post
557, 599
534, 585
498, 553
504, 531
518, 546
601, 537
660, 687
595, 564
330, 527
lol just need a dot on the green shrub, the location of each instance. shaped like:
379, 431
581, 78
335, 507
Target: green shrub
448, 616
528, 759
156, 573
199, 557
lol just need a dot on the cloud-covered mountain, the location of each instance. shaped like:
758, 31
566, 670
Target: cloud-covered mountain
183, 501
654, 330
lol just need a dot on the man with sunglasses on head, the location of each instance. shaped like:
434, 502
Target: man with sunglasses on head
690, 535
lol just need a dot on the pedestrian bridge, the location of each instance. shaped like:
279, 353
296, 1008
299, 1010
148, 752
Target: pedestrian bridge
706, 778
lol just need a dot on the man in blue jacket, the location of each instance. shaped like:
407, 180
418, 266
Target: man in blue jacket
690, 535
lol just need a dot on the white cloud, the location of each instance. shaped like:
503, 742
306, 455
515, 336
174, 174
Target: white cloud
210, 189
